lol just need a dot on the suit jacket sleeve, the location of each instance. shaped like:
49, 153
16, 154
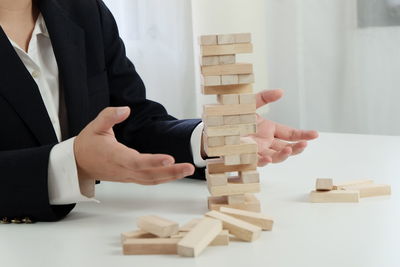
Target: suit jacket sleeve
149, 129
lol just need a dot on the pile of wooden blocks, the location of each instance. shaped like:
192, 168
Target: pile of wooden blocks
352, 191
157, 235
232, 177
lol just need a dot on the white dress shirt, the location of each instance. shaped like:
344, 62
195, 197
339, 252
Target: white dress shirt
40, 61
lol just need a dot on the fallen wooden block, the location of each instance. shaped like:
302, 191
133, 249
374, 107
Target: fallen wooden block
234, 189
211, 80
208, 40
136, 234
239, 228
243, 148
258, 219
218, 109
216, 179
251, 203
222, 239
189, 225
158, 226
150, 246
248, 177
227, 69
228, 99
334, 196
352, 183
229, 49
370, 190
324, 184
199, 237
227, 89
229, 130
218, 166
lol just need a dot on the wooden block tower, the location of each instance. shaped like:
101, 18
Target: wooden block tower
232, 175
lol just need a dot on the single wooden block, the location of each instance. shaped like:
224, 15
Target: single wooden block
211, 80
218, 166
231, 159
208, 40
229, 130
228, 99
234, 189
324, 184
371, 190
243, 38
226, 39
247, 99
136, 234
246, 78
210, 61
251, 158
248, 177
227, 69
334, 196
251, 203
158, 226
215, 141
199, 237
213, 120
227, 59
217, 179
236, 199
230, 49
150, 246
258, 219
227, 89
248, 119
239, 228
189, 225
222, 239
232, 120
232, 140
245, 147
352, 183
218, 110
229, 79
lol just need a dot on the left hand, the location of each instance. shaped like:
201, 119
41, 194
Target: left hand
277, 142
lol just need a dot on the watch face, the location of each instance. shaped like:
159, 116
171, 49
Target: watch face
378, 13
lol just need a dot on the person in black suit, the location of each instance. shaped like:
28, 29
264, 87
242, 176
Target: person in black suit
70, 100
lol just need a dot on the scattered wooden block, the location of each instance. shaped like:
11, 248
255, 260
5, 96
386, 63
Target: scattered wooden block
236, 199
229, 130
247, 99
324, 184
229, 79
239, 228
334, 196
258, 219
136, 234
218, 166
231, 159
208, 40
189, 225
227, 69
352, 183
251, 158
227, 89
158, 226
215, 141
243, 38
229, 49
371, 190
228, 99
234, 189
222, 239
246, 78
251, 203
232, 140
226, 39
217, 179
243, 148
210, 61
232, 120
248, 119
218, 110
150, 246
211, 80
199, 237
248, 177
227, 59
213, 120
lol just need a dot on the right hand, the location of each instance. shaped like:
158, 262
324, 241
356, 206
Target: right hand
100, 156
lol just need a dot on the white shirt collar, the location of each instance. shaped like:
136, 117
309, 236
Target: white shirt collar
40, 27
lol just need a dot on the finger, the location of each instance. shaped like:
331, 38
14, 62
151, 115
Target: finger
264, 161
299, 148
156, 176
132, 160
290, 134
282, 155
109, 117
268, 96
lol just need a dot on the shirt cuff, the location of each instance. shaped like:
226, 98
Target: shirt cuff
195, 142
63, 181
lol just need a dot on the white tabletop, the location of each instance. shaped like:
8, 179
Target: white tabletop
364, 234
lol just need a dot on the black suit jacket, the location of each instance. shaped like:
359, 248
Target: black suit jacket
94, 73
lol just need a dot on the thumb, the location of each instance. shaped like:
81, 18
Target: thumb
109, 117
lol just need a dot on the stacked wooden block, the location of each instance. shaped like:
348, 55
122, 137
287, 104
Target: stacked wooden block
327, 191
157, 235
232, 176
